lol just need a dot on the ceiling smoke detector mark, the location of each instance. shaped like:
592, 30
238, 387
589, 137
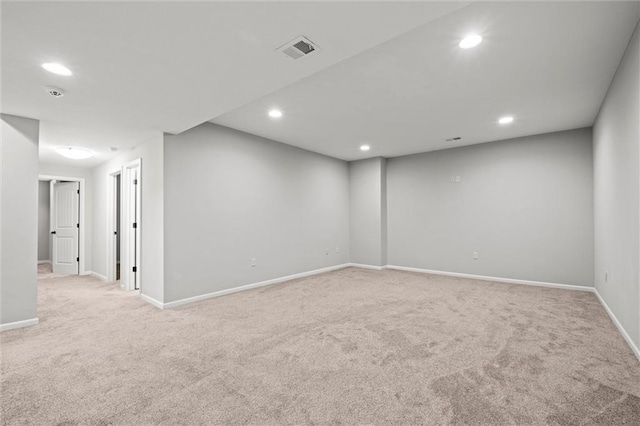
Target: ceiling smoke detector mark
55, 91
457, 138
298, 48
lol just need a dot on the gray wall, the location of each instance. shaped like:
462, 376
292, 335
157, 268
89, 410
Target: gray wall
231, 196
43, 221
525, 205
19, 219
152, 214
617, 193
367, 224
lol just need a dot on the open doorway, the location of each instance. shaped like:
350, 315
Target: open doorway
61, 226
117, 224
44, 228
114, 231
124, 226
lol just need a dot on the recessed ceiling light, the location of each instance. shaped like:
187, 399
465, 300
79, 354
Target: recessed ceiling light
74, 153
275, 113
57, 69
365, 147
470, 41
505, 120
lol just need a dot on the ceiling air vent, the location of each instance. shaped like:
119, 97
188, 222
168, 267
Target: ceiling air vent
298, 48
54, 91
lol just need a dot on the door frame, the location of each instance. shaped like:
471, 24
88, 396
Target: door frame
112, 181
82, 218
126, 273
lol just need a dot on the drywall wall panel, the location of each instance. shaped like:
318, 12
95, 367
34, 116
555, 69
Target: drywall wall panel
151, 229
367, 189
19, 219
617, 193
524, 205
231, 197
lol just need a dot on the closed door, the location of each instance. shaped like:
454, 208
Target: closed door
134, 215
65, 227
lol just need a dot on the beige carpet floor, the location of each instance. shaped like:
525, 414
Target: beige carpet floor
352, 346
45, 270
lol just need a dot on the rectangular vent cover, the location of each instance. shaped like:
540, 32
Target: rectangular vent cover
298, 48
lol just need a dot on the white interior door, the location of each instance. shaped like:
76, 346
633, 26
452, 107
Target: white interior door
134, 214
130, 226
65, 227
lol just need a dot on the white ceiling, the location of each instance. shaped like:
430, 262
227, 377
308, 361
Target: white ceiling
547, 64
144, 67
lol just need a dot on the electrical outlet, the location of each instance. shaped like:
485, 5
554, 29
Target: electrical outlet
475, 255
253, 262
337, 250
457, 179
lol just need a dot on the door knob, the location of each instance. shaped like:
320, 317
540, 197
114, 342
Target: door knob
53, 232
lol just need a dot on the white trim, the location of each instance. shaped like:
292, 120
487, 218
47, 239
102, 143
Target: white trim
126, 244
624, 333
193, 299
41, 262
152, 301
180, 302
83, 215
496, 279
362, 265
18, 324
111, 221
95, 275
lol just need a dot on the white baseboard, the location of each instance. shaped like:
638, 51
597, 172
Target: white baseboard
152, 301
98, 276
496, 279
18, 324
180, 302
40, 262
361, 265
624, 333
95, 275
